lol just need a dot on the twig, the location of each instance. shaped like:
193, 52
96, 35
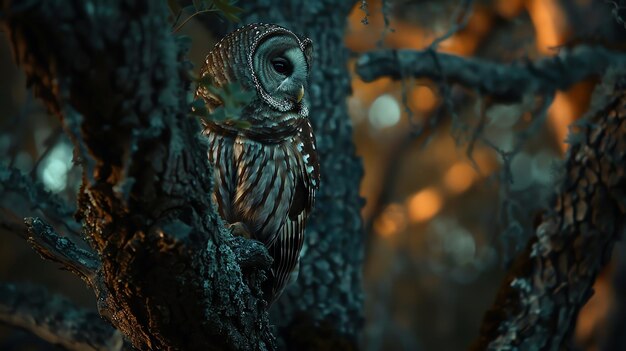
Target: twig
385, 10
464, 12
192, 16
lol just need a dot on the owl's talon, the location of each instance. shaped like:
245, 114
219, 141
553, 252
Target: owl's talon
239, 229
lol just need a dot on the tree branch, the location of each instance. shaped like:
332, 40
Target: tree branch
538, 302
504, 82
56, 320
52, 246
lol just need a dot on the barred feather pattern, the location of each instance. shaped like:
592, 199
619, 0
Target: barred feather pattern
270, 187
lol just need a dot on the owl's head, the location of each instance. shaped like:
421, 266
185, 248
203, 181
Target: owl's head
266, 58
281, 69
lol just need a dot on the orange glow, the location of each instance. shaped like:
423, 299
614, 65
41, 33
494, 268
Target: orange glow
595, 313
464, 42
422, 99
368, 92
391, 221
548, 22
567, 107
561, 116
486, 160
551, 29
459, 177
425, 204
509, 8
361, 38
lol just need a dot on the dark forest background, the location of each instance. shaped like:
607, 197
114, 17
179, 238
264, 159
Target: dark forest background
462, 156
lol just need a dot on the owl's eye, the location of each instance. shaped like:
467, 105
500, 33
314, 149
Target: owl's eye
282, 66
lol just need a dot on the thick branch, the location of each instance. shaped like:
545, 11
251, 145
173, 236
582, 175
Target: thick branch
537, 305
506, 82
56, 320
60, 249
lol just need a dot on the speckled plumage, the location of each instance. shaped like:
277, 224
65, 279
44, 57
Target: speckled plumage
266, 175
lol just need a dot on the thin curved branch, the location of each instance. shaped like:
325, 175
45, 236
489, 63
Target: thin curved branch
175, 30
462, 16
56, 319
501, 81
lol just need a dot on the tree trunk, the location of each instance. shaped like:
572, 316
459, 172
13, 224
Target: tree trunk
323, 310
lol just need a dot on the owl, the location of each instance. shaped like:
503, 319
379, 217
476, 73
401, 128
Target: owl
266, 170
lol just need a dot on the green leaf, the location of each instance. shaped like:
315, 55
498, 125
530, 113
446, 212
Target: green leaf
198, 108
232, 96
197, 104
218, 115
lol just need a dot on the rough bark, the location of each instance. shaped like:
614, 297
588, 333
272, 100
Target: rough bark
324, 309
537, 304
499, 81
169, 276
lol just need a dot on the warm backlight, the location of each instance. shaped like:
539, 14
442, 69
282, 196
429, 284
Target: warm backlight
425, 204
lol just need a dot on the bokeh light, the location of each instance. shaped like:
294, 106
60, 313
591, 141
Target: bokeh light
55, 168
425, 204
384, 112
459, 177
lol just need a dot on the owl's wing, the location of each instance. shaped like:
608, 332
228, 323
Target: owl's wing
287, 245
311, 171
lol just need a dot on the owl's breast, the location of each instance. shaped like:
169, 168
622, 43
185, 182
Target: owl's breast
273, 182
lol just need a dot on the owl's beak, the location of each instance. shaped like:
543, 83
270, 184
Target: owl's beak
300, 94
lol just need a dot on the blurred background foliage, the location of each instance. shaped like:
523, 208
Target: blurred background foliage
442, 223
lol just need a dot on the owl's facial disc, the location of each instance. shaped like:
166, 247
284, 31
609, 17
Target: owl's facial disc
282, 69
